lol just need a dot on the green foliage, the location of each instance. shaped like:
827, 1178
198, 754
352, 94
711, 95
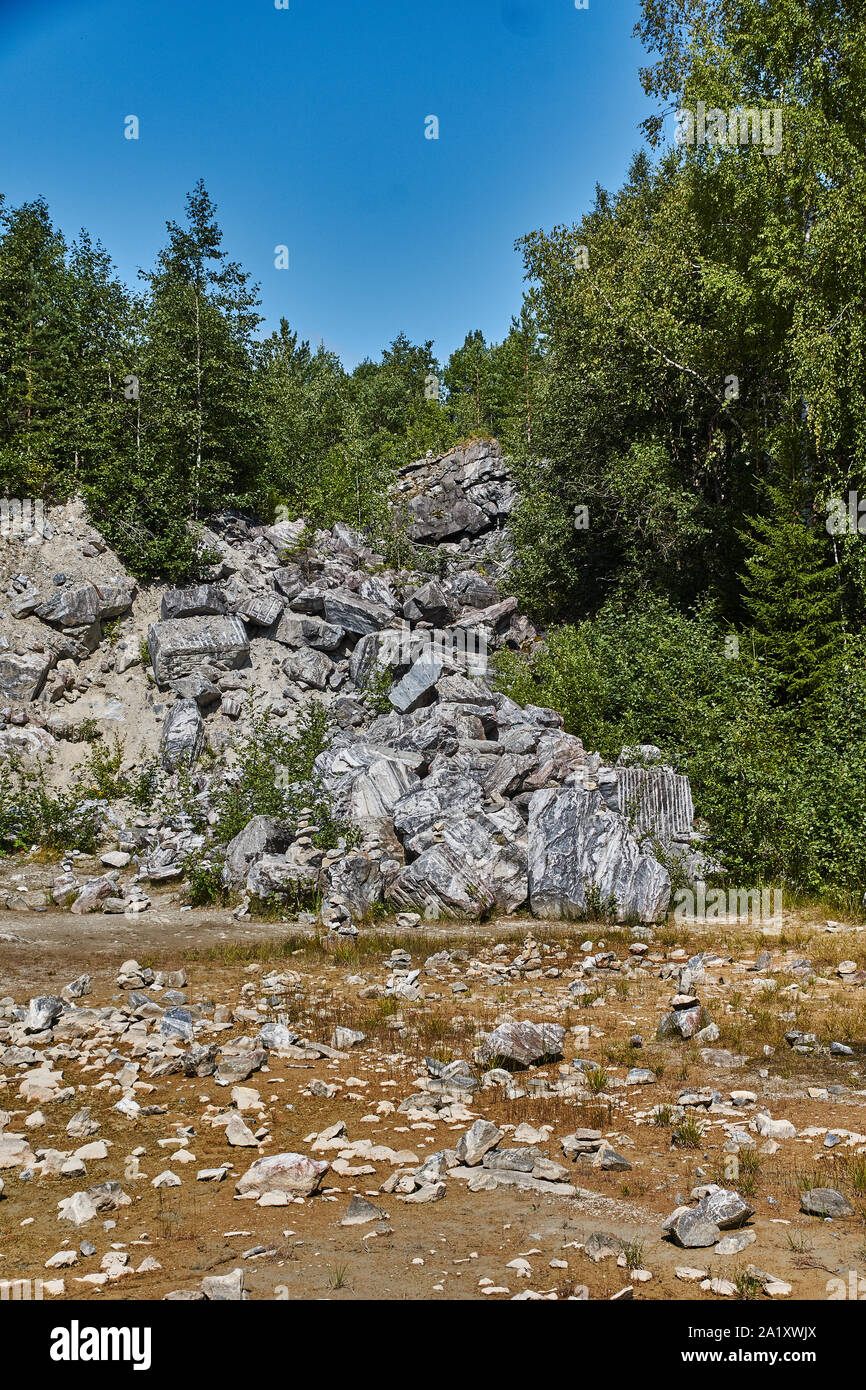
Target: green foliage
377, 688
100, 774
271, 772
791, 592
31, 814
204, 880
782, 787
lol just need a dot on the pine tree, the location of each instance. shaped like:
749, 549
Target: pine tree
790, 591
197, 398
38, 355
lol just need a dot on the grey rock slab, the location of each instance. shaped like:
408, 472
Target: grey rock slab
195, 601
580, 851
116, 596
75, 605
261, 835
360, 1212
348, 610
486, 1180
434, 799
367, 780
285, 1172
470, 867
225, 1288
286, 535
178, 645
309, 667
238, 1066
182, 737
418, 686
825, 1201
306, 630
692, 1230
522, 1043
477, 1141
735, 1243
44, 1011
263, 609
21, 677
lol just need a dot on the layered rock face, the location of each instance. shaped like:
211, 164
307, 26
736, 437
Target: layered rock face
464, 803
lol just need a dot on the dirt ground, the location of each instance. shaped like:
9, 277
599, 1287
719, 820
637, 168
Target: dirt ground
448, 1248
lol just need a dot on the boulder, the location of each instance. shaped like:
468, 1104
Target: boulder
309, 667
286, 1172
469, 868
477, 1141
21, 677
428, 604
584, 858
286, 536
262, 835
418, 686
434, 799
306, 630
116, 596
263, 609
196, 686
196, 601
348, 610
74, 605
182, 737
657, 800
692, 1229
521, 1044
825, 1201
178, 645
366, 780
727, 1209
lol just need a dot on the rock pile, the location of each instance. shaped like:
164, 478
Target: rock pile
464, 803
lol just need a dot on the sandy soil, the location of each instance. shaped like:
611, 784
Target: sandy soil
443, 1250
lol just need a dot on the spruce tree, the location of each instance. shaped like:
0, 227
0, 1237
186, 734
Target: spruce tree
38, 357
790, 590
197, 398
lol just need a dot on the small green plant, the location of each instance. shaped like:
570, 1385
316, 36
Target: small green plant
688, 1134
855, 1174
663, 1116
747, 1284
145, 788
204, 879
337, 1276
377, 689
633, 1250
100, 773
597, 1080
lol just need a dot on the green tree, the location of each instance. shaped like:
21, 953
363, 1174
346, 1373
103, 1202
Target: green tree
196, 383
791, 592
37, 350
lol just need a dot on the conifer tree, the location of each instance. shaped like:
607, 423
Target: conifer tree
197, 398
37, 350
790, 590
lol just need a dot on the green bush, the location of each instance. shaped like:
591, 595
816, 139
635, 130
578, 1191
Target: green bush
782, 787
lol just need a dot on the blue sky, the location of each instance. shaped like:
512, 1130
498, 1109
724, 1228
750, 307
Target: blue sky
307, 125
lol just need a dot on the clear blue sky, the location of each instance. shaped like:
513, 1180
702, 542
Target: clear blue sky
307, 126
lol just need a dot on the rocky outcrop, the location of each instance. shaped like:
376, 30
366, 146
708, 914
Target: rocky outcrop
461, 802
